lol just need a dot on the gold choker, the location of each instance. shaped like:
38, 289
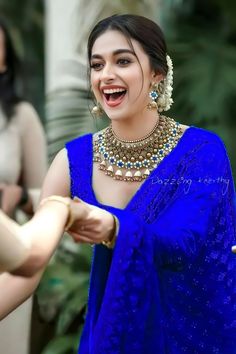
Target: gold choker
134, 160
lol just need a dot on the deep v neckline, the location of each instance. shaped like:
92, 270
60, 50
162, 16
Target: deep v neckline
144, 184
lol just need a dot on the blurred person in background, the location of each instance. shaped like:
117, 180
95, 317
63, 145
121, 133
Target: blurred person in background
22, 141
22, 169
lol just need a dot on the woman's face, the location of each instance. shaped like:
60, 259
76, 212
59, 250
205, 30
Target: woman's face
120, 75
2, 51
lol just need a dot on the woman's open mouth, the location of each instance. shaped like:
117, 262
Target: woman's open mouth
113, 97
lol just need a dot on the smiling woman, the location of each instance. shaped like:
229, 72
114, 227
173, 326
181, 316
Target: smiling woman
163, 276
150, 293
115, 57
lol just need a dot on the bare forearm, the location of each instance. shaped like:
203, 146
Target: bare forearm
28, 248
15, 290
14, 249
45, 231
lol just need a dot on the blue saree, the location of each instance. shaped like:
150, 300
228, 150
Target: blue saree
169, 285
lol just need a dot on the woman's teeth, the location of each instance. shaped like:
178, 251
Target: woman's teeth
110, 91
113, 94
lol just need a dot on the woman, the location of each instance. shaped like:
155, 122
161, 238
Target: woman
23, 166
169, 284
22, 141
163, 276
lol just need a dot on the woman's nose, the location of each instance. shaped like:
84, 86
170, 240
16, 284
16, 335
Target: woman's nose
107, 73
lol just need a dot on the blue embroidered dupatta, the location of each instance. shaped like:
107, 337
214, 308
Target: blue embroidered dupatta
169, 285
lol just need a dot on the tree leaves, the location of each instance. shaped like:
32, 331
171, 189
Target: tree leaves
63, 345
205, 79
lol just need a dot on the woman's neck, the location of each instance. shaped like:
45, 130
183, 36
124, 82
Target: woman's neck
132, 129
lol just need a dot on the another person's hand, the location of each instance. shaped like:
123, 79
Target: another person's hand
92, 225
11, 195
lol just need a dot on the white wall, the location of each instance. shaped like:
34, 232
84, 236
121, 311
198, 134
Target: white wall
62, 61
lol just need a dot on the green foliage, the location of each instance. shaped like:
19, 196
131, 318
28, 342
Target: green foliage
201, 37
63, 345
205, 72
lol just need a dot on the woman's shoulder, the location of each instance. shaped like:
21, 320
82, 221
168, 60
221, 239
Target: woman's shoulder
24, 107
26, 114
27, 120
206, 141
207, 136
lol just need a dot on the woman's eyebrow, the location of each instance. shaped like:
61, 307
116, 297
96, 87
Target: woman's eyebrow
116, 52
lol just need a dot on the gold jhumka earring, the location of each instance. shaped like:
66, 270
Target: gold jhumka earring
97, 111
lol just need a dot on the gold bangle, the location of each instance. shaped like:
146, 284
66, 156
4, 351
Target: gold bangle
66, 202
111, 243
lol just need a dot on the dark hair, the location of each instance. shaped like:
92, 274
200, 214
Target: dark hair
140, 28
8, 95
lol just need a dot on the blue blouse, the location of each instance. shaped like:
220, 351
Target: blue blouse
169, 285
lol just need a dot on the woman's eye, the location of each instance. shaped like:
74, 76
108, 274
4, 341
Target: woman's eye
96, 66
124, 62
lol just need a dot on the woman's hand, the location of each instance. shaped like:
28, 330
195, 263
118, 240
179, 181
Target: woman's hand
92, 225
10, 197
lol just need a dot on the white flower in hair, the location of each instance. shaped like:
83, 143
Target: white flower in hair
166, 87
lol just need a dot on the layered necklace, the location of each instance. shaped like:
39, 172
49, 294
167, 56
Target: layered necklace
134, 160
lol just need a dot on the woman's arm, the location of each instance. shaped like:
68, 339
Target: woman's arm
15, 290
32, 244
48, 221
26, 249
44, 231
57, 181
14, 249
34, 148
34, 155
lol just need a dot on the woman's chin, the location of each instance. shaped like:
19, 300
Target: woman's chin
114, 115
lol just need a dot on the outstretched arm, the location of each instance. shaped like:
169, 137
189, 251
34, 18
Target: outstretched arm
44, 230
26, 250
30, 247
14, 250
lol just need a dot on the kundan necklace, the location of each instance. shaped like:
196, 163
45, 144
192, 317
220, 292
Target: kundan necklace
134, 160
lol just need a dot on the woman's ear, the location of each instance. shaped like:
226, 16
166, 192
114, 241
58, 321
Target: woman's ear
157, 77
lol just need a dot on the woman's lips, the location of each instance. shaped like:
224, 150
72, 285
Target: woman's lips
113, 100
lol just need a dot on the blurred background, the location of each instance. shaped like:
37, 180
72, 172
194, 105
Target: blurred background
50, 39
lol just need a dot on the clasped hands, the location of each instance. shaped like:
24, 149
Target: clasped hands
90, 224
